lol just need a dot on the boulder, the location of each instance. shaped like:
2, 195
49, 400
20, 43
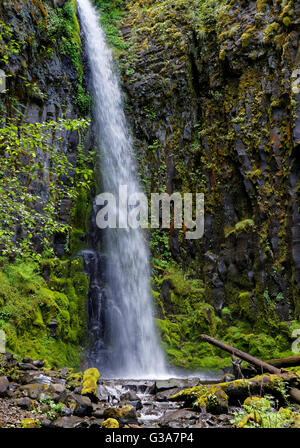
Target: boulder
27, 360
90, 380
122, 413
59, 388
137, 404
129, 396
24, 403
172, 383
166, 394
35, 390
4, 383
96, 424
110, 423
98, 412
83, 406
179, 418
26, 366
70, 422
38, 363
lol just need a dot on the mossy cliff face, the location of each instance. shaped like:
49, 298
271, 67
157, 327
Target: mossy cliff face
42, 303
212, 94
42, 309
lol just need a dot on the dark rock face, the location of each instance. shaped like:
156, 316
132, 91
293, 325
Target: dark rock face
215, 109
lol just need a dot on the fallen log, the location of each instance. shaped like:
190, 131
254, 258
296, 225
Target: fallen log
293, 361
238, 390
242, 355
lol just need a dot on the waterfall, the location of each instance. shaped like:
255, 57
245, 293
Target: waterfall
129, 345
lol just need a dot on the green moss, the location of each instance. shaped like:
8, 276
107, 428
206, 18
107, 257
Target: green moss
30, 304
90, 380
110, 423
111, 13
246, 225
83, 99
286, 21
270, 31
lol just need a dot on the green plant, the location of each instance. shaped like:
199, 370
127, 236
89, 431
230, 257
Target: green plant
110, 16
83, 99
8, 45
261, 413
19, 168
283, 389
160, 248
54, 408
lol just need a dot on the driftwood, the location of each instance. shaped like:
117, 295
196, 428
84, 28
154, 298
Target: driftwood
294, 361
234, 351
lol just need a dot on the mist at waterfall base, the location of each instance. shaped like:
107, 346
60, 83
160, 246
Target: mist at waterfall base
121, 321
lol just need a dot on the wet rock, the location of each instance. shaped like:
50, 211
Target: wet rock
46, 423
25, 403
4, 383
96, 425
64, 373
59, 388
70, 422
172, 383
205, 421
8, 359
27, 360
137, 404
32, 377
175, 419
83, 406
26, 366
35, 390
129, 396
141, 386
166, 394
39, 363
98, 412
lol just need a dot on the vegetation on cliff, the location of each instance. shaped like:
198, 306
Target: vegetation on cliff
46, 179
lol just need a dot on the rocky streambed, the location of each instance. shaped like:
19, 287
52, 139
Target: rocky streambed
32, 395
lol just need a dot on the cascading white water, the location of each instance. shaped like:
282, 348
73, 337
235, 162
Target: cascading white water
132, 346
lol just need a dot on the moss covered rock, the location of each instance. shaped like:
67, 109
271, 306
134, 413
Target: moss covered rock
122, 413
215, 401
90, 381
110, 423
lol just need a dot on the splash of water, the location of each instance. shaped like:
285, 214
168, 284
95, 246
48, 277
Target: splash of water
130, 347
